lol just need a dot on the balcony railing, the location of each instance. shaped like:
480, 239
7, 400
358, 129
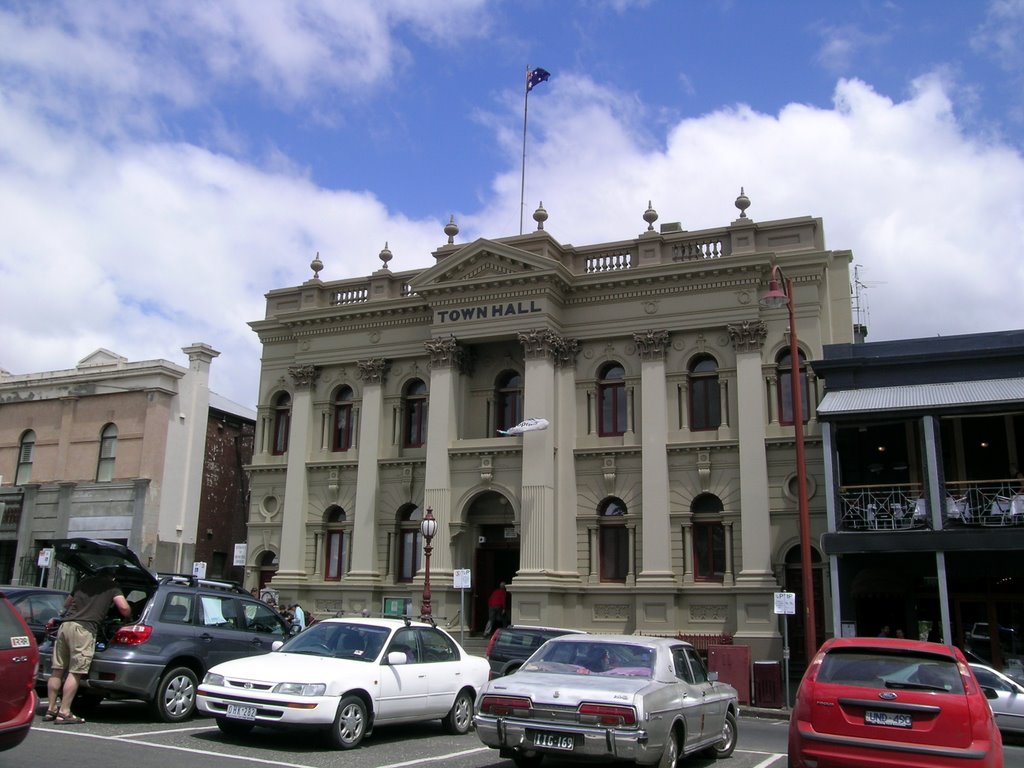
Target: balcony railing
968, 504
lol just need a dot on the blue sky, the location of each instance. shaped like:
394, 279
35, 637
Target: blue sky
164, 165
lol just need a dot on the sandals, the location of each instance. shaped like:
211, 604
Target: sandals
51, 715
68, 719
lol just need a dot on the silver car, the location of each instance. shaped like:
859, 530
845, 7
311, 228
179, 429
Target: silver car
616, 697
1008, 705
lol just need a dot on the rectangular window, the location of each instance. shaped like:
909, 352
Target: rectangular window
786, 398
409, 551
709, 552
705, 408
337, 555
614, 544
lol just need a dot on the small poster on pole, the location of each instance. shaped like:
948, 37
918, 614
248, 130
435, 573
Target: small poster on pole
462, 578
785, 603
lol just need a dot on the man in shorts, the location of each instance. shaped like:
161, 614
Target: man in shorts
73, 649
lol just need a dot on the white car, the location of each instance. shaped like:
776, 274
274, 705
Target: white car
345, 676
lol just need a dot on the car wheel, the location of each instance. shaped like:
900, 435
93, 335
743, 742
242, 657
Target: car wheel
527, 759
725, 747
670, 756
460, 717
349, 724
176, 695
234, 727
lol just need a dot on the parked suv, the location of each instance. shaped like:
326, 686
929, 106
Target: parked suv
512, 645
180, 627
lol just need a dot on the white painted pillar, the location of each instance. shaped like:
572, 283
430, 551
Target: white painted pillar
364, 528
292, 557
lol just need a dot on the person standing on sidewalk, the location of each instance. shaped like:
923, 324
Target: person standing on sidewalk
496, 609
75, 645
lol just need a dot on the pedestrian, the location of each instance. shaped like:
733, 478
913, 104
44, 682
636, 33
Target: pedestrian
884, 632
496, 608
73, 649
299, 616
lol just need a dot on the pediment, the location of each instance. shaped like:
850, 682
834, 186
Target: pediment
101, 357
483, 261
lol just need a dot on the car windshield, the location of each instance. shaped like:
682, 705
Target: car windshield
900, 669
339, 640
604, 659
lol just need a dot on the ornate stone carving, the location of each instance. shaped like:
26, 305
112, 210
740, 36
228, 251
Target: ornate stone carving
611, 611
748, 336
445, 352
303, 375
486, 469
565, 351
537, 343
702, 612
651, 344
372, 371
608, 470
704, 469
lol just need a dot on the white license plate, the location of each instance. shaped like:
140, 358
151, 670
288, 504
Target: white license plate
893, 719
561, 741
237, 712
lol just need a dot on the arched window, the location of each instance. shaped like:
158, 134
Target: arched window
336, 543
708, 538
784, 369
342, 435
613, 540
108, 452
611, 398
27, 446
282, 423
409, 547
414, 425
705, 401
509, 400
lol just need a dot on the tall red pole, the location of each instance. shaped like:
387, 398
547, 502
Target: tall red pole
806, 572
427, 528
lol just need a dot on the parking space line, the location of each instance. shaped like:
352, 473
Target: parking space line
449, 756
773, 759
206, 752
160, 733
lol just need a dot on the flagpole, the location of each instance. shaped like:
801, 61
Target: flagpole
522, 183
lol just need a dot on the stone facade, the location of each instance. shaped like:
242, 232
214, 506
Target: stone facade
636, 510
141, 453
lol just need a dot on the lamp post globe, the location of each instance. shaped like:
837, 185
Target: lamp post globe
428, 527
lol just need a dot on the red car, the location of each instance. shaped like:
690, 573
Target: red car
878, 702
19, 657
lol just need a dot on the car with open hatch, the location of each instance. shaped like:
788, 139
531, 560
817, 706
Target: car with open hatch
888, 703
179, 628
649, 700
19, 657
344, 676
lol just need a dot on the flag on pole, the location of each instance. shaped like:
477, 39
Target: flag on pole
536, 77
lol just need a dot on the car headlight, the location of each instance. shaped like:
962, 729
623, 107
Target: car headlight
212, 678
301, 689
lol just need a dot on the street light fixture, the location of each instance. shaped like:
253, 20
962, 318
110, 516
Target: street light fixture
428, 527
780, 292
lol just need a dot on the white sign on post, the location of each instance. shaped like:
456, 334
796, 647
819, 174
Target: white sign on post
462, 578
45, 558
199, 570
239, 558
785, 602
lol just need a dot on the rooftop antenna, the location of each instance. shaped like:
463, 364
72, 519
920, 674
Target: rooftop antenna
861, 311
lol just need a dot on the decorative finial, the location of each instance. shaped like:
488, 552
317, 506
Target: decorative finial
650, 216
451, 229
385, 255
742, 202
540, 216
316, 265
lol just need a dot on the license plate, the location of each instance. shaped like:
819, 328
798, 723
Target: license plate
892, 719
563, 741
241, 713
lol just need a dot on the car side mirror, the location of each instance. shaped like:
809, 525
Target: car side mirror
276, 645
294, 630
990, 693
712, 677
396, 658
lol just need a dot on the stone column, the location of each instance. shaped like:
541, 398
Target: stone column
657, 530
537, 515
364, 529
564, 424
292, 557
446, 360
748, 339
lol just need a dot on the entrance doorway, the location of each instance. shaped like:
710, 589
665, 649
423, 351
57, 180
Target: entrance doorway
496, 558
493, 565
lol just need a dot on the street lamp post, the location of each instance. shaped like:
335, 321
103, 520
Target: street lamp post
428, 527
780, 292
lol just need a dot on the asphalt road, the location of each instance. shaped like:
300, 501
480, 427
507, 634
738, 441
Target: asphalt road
123, 733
